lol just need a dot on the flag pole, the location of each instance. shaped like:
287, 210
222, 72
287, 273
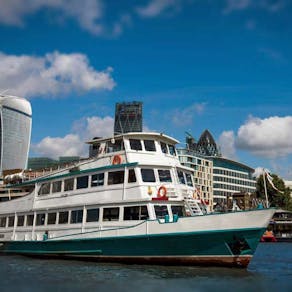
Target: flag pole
265, 187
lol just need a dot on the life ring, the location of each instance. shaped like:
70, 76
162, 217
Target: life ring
162, 191
117, 159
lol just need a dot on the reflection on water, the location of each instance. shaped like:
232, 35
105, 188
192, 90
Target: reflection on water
271, 268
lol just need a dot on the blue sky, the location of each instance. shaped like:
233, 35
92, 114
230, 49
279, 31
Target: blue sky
222, 65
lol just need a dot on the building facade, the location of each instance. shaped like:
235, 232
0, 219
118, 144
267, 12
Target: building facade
128, 117
203, 174
37, 163
15, 132
217, 178
230, 177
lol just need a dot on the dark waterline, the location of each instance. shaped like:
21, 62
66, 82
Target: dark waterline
270, 270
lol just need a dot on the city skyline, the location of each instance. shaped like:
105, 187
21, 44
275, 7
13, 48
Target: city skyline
221, 65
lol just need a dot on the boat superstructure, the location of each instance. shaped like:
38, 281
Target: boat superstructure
132, 201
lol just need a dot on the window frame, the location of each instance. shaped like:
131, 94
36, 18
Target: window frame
76, 216
48, 218
143, 173
81, 183
60, 217
97, 180
109, 215
128, 216
98, 214
149, 147
134, 145
116, 177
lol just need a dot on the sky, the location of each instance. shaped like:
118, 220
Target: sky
221, 65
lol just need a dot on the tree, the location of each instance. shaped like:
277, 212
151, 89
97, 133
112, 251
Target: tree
281, 198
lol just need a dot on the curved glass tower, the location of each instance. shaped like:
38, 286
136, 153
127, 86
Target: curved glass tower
15, 131
206, 145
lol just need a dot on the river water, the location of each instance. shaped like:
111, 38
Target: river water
270, 270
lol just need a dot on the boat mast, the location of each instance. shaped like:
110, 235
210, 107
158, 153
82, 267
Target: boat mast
265, 187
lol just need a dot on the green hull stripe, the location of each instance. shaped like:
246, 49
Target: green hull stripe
225, 243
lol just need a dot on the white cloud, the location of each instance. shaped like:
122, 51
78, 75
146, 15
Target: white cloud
227, 145
270, 137
233, 5
54, 73
182, 117
98, 127
88, 14
53, 147
268, 5
73, 143
156, 7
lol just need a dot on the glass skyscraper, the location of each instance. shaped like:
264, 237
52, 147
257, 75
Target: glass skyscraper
15, 132
128, 117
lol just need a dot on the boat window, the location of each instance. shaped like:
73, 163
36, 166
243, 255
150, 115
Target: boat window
76, 216
56, 186
116, 177
181, 177
10, 221
92, 215
149, 145
111, 214
160, 211
147, 175
135, 144
3, 222
52, 218
164, 175
68, 184
114, 147
163, 147
45, 189
189, 179
82, 182
29, 220
136, 213
95, 149
40, 219
63, 217
97, 179
20, 220
171, 150
178, 210
131, 176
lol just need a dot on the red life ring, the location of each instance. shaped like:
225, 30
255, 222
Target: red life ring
117, 159
162, 191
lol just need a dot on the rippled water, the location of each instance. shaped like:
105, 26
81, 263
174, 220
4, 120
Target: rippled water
270, 269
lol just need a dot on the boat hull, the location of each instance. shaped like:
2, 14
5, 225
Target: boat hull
224, 248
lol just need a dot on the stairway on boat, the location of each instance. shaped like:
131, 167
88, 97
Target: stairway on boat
192, 206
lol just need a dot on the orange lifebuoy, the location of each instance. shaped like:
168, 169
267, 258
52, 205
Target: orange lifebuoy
162, 191
117, 159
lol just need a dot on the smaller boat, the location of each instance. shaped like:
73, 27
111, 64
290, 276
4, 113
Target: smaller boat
268, 236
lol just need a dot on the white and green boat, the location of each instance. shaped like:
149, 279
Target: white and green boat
132, 202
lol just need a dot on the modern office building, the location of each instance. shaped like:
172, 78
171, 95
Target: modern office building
217, 178
36, 163
15, 132
230, 177
203, 175
206, 146
128, 117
